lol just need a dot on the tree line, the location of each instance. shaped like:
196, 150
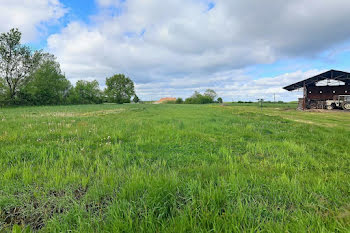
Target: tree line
30, 77
208, 97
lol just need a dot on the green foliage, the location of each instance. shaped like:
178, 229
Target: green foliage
85, 92
47, 86
119, 89
3, 92
173, 168
34, 78
179, 101
198, 98
17, 62
136, 99
219, 100
211, 94
2, 86
244, 102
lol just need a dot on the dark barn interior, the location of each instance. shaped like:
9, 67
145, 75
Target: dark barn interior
337, 83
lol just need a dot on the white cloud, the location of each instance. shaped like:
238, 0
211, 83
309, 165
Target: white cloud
267, 87
179, 46
233, 85
29, 16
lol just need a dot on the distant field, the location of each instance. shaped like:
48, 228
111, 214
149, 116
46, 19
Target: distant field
291, 105
174, 168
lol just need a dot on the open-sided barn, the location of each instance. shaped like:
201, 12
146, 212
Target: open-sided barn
329, 90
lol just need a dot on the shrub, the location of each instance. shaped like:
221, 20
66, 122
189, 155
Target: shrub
198, 98
179, 101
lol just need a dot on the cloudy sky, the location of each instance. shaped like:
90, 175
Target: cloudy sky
242, 49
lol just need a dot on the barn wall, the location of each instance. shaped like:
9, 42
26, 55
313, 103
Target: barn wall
328, 92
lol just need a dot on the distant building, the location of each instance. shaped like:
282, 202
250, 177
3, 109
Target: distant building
318, 90
164, 100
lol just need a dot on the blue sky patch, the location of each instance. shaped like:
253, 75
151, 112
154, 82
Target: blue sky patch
211, 5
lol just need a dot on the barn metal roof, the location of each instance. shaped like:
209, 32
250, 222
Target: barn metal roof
331, 74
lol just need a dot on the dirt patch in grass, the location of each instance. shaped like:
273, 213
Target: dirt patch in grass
99, 207
34, 212
80, 192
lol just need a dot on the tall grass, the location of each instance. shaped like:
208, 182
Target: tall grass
173, 168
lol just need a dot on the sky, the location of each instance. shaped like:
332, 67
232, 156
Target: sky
244, 50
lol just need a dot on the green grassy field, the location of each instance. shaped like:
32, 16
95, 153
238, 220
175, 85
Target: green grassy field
174, 168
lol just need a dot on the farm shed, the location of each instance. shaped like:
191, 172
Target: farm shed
322, 90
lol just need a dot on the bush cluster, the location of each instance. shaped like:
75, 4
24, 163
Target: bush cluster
197, 98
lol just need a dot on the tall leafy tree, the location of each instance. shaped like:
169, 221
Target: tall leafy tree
86, 92
196, 94
211, 94
17, 61
46, 86
119, 89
